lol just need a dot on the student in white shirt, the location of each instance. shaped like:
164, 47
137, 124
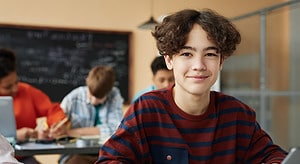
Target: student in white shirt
7, 152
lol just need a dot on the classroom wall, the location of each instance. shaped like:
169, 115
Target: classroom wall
117, 15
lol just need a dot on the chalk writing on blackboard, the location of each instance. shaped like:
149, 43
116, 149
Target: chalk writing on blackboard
58, 60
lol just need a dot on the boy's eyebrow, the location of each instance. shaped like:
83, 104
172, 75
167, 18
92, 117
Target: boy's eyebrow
205, 49
212, 48
188, 48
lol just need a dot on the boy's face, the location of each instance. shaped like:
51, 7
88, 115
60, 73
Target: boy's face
163, 78
9, 84
197, 65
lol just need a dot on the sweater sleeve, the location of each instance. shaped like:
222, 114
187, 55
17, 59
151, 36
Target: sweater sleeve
263, 150
45, 107
55, 114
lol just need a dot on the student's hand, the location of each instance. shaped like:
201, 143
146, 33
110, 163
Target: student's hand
57, 132
23, 134
43, 134
59, 129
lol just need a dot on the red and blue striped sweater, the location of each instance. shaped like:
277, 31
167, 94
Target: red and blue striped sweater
156, 130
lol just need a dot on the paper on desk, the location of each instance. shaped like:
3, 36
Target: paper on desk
100, 139
35, 146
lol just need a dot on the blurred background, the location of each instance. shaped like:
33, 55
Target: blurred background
261, 73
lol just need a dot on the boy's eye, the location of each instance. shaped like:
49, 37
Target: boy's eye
186, 54
212, 54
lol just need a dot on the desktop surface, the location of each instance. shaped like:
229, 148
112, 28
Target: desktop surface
34, 148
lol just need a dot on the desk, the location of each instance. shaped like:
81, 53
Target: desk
32, 148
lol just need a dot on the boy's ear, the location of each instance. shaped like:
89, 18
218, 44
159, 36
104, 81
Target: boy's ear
221, 63
169, 62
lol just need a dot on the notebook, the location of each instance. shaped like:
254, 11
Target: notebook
7, 119
293, 157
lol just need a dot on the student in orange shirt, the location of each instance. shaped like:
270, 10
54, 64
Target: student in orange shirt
30, 103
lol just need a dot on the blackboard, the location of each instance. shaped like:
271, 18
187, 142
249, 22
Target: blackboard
57, 60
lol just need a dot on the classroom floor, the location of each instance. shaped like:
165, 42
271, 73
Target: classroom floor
48, 159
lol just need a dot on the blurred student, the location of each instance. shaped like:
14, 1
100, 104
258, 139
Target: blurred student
29, 103
162, 76
7, 154
187, 122
94, 109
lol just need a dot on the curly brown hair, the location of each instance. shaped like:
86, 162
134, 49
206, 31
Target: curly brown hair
171, 35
